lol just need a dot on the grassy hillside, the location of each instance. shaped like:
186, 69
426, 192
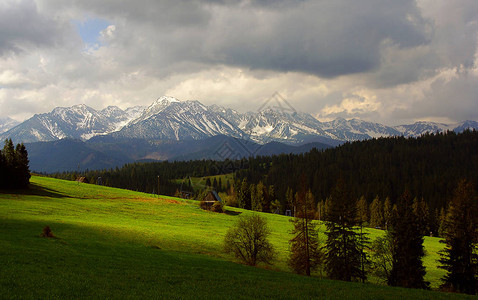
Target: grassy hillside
118, 243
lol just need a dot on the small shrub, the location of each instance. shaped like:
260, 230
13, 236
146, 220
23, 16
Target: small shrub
47, 232
217, 207
230, 200
204, 205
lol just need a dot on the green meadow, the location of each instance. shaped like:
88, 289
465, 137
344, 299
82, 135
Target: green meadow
113, 243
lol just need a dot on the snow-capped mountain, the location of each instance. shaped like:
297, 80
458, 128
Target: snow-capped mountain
170, 119
7, 123
167, 118
78, 122
354, 129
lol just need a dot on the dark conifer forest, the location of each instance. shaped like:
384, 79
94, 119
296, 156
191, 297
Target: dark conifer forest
14, 170
428, 167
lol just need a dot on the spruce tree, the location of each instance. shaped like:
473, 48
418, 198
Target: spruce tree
244, 195
376, 213
442, 223
9, 152
343, 250
289, 195
460, 235
3, 170
407, 245
362, 211
387, 212
420, 209
22, 172
305, 254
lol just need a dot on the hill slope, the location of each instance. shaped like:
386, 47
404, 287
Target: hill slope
116, 243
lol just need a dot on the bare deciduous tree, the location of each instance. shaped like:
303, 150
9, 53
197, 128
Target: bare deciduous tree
248, 240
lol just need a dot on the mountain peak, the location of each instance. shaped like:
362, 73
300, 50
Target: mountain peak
166, 99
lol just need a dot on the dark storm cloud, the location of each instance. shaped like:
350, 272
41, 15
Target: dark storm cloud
324, 38
22, 26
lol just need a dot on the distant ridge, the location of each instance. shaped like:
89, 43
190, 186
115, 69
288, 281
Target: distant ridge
168, 119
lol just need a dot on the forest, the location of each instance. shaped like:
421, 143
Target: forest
428, 167
14, 169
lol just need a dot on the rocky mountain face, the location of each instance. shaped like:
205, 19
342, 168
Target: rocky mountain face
170, 119
77, 122
7, 123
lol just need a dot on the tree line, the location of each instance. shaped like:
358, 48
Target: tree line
377, 171
14, 168
348, 254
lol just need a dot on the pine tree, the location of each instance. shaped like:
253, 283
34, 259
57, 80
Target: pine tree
364, 241
407, 244
269, 199
362, 211
305, 254
14, 169
9, 152
257, 196
442, 224
289, 195
343, 251
420, 209
460, 235
244, 197
387, 212
21, 166
376, 213
3, 169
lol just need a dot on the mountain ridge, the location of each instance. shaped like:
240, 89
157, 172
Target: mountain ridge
168, 118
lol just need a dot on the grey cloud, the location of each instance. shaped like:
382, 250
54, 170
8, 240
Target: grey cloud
324, 38
22, 26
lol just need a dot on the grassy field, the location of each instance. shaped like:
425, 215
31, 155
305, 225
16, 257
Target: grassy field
113, 243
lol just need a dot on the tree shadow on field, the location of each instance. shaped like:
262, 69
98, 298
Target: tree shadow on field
36, 190
232, 213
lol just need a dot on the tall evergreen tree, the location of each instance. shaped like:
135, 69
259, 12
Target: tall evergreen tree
459, 257
3, 169
244, 193
420, 209
387, 212
14, 169
9, 152
343, 250
442, 222
363, 239
289, 195
407, 244
22, 171
305, 254
376, 213
257, 196
362, 211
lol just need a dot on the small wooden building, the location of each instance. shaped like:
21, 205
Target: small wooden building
209, 200
212, 196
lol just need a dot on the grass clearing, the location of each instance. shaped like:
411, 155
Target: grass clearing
116, 243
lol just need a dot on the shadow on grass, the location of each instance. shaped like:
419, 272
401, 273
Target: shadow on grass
232, 213
36, 190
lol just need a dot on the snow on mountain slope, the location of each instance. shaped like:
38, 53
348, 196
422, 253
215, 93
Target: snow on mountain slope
170, 119
7, 123
78, 122
167, 118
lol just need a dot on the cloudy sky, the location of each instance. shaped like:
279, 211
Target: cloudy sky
386, 61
